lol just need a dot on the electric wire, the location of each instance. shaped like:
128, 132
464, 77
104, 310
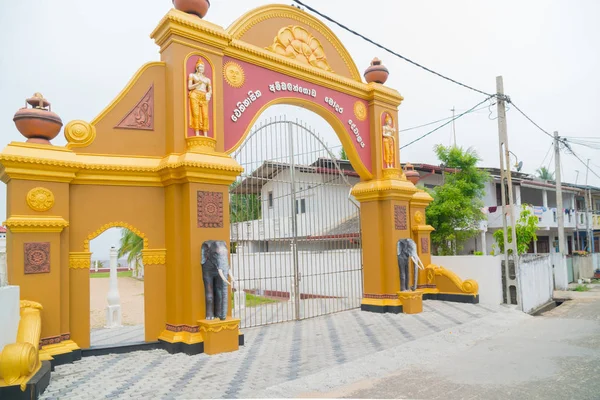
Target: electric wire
391, 51
546, 156
439, 120
446, 123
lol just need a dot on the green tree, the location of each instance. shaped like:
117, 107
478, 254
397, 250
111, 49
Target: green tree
244, 207
455, 212
132, 246
545, 174
343, 155
525, 227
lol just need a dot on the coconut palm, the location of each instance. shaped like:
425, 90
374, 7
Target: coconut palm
545, 174
132, 245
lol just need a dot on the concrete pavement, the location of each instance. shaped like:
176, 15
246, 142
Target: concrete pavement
274, 355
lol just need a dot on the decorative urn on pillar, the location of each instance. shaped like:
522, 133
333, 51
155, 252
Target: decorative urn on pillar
377, 72
38, 124
411, 174
196, 7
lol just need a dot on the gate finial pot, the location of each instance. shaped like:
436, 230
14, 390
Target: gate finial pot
38, 124
377, 72
196, 7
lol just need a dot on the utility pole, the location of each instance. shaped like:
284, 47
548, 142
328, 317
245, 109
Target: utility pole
588, 211
576, 246
559, 198
506, 178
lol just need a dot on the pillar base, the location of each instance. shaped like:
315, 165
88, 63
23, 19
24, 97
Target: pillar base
412, 302
381, 305
33, 388
61, 353
220, 336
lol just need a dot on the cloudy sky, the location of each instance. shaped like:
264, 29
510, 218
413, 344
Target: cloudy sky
80, 54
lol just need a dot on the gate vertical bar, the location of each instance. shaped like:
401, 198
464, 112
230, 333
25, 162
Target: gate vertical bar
294, 243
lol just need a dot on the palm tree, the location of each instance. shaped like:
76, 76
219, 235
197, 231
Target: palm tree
132, 245
545, 174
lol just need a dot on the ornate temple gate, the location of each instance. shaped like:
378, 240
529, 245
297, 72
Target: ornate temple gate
161, 159
295, 229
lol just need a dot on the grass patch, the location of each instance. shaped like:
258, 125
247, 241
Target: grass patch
122, 274
595, 280
253, 300
581, 288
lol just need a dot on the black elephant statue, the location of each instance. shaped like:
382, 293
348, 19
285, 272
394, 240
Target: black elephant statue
407, 250
215, 269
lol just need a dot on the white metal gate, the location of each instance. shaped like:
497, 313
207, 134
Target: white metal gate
295, 229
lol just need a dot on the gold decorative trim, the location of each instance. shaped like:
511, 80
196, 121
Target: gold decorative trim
382, 189
201, 144
260, 14
468, 286
296, 43
120, 224
393, 173
360, 111
40, 199
219, 329
234, 74
24, 223
126, 90
79, 134
80, 260
154, 257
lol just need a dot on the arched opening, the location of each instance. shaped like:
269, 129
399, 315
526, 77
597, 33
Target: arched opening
116, 303
295, 229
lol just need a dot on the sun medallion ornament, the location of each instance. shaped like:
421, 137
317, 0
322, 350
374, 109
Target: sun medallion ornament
40, 199
360, 111
234, 74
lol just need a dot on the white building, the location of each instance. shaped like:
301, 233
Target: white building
326, 217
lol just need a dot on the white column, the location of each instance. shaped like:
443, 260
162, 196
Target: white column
483, 243
535, 247
545, 197
113, 309
518, 195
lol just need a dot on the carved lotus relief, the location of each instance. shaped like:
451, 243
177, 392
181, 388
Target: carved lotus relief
297, 43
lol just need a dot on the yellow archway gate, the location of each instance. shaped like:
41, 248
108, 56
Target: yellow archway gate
157, 161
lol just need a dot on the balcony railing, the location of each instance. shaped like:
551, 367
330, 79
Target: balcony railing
548, 217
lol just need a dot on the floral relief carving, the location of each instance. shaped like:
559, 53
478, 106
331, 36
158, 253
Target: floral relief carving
400, 219
37, 257
425, 245
40, 199
297, 43
210, 209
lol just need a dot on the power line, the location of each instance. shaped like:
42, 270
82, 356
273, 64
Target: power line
587, 166
391, 51
546, 156
439, 120
446, 123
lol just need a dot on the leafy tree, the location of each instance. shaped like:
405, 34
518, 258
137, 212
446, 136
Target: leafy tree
244, 207
525, 227
455, 212
343, 155
545, 174
132, 246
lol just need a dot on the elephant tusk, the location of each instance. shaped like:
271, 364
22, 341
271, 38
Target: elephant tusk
232, 278
223, 277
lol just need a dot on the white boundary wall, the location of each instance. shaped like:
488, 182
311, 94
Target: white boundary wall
484, 269
559, 266
9, 315
537, 281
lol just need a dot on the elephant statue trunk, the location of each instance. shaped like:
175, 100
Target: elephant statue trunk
407, 250
215, 269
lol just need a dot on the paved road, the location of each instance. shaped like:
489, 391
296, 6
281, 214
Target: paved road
450, 351
274, 355
554, 356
